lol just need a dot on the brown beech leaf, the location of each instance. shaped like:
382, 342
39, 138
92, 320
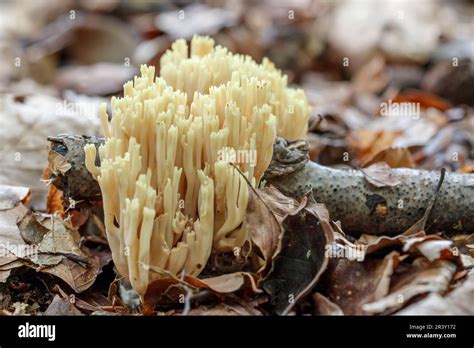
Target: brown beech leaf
369, 142
79, 277
270, 206
220, 309
265, 237
351, 284
380, 175
433, 248
172, 287
323, 306
226, 283
398, 157
414, 279
60, 241
376, 243
31, 229
302, 259
10, 237
53, 248
464, 245
12, 246
460, 301
62, 306
279, 204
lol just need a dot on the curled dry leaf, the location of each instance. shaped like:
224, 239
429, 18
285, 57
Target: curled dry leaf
270, 206
323, 306
227, 283
279, 204
418, 278
375, 243
460, 301
174, 287
12, 247
265, 237
351, 284
380, 175
221, 309
432, 247
302, 259
464, 245
62, 306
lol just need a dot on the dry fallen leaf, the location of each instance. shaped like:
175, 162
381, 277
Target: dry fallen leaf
79, 277
418, 278
380, 175
266, 237
352, 284
367, 143
324, 306
394, 157
302, 259
460, 301
173, 287
62, 306
271, 206
47, 244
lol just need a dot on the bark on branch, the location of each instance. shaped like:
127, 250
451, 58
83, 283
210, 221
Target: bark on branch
360, 206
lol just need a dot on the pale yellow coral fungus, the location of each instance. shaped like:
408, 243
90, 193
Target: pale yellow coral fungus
170, 195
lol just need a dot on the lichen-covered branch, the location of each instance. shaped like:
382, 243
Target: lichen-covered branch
349, 197
363, 208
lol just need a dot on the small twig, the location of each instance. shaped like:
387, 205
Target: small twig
313, 126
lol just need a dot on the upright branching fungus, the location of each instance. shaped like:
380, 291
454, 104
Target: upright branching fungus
171, 190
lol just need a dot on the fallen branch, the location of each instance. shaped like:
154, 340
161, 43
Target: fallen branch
364, 208
360, 206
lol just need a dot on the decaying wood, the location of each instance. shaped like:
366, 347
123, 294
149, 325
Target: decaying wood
350, 198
